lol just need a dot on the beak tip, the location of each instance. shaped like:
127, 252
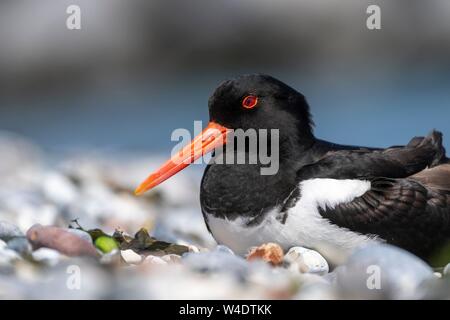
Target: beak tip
139, 191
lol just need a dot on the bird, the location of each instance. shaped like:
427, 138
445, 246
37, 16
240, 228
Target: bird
324, 194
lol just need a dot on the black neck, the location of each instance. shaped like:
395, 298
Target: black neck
239, 190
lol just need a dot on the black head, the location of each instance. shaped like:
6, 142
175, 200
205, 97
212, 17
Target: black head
248, 102
278, 106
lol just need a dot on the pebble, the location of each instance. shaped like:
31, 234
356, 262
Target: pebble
80, 233
130, 257
223, 249
269, 252
9, 231
383, 272
306, 261
58, 189
154, 260
171, 258
221, 259
112, 257
446, 271
8, 256
61, 240
193, 249
20, 245
46, 256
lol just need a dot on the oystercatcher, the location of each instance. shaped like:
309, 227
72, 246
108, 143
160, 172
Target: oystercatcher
323, 193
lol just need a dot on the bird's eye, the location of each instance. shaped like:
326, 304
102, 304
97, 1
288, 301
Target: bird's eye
250, 102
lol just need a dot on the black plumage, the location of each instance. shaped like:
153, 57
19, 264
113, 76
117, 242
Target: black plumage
408, 204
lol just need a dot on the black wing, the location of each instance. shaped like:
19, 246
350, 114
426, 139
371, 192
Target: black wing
395, 162
401, 211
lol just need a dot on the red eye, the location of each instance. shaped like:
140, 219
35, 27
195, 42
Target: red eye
250, 102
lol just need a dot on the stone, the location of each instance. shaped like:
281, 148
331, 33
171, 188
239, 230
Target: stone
269, 252
306, 261
154, 260
130, 257
9, 231
383, 272
171, 258
46, 256
20, 245
80, 233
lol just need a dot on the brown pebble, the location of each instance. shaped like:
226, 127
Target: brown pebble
269, 252
60, 240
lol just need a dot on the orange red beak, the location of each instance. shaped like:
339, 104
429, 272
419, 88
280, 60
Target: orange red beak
212, 137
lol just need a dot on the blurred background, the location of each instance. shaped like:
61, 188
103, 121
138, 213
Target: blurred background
139, 69
86, 114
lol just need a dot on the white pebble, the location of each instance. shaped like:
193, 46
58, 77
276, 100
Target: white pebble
130, 256
447, 270
47, 256
8, 256
154, 260
171, 258
193, 249
58, 188
9, 231
110, 257
306, 261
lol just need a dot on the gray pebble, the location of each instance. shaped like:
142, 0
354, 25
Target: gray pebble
221, 259
20, 245
47, 256
446, 271
9, 231
383, 272
8, 257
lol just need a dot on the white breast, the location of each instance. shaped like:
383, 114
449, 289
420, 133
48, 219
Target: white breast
304, 225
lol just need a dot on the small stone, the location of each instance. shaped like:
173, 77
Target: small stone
130, 257
217, 261
223, 249
154, 260
438, 275
306, 261
446, 271
8, 256
80, 233
58, 188
61, 240
383, 271
269, 252
9, 231
112, 257
171, 258
193, 249
46, 256
20, 245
